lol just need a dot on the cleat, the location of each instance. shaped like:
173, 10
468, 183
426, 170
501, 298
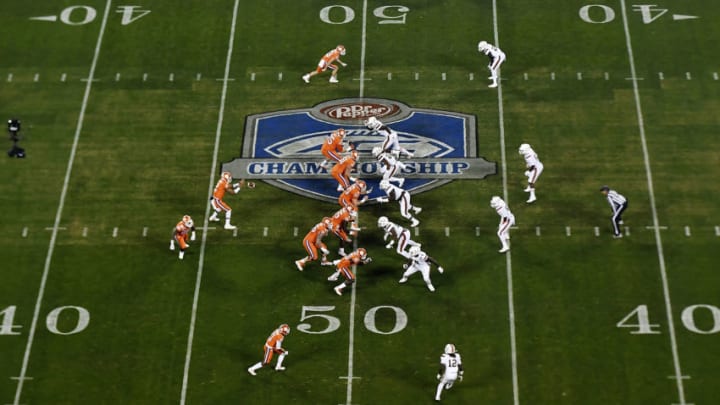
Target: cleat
324, 164
492, 86
620, 222
280, 368
172, 245
531, 200
340, 188
338, 290
299, 265
251, 371
333, 79
402, 280
414, 223
401, 182
212, 219
230, 227
441, 270
341, 251
306, 78
431, 288
181, 255
325, 263
527, 189
504, 249
617, 236
417, 210
334, 277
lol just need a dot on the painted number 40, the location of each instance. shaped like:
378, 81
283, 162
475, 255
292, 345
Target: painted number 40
51, 321
639, 320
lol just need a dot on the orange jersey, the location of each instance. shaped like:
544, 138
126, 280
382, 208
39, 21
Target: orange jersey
349, 260
341, 216
333, 143
221, 187
274, 340
345, 164
317, 233
331, 56
181, 230
350, 196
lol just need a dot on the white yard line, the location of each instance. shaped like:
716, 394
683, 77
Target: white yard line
508, 256
201, 260
58, 215
653, 207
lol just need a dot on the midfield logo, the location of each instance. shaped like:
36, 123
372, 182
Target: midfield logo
283, 148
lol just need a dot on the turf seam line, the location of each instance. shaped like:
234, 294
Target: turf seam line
61, 204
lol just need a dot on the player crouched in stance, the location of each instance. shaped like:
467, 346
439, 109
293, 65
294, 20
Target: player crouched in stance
344, 265
216, 200
389, 166
313, 241
451, 369
390, 143
333, 147
273, 346
342, 219
497, 57
396, 233
534, 169
507, 219
183, 230
327, 62
342, 170
354, 195
395, 193
418, 261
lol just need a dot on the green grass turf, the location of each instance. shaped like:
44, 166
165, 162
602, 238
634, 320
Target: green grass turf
144, 159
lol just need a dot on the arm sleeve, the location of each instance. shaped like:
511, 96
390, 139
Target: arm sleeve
433, 261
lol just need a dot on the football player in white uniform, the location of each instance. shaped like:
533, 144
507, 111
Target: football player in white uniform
391, 143
451, 369
497, 57
389, 166
507, 219
403, 198
418, 261
534, 169
397, 234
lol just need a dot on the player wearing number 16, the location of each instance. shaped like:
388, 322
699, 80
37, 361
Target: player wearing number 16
273, 345
326, 62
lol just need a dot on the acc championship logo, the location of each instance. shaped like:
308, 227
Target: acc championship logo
283, 148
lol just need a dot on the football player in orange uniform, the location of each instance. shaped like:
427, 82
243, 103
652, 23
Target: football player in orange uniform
273, 346
327, 62
183, 230
344, 265
351, 196
216, 200
333, 147
339, 221
313, 241
341, 171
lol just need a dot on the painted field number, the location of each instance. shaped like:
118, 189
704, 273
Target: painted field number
81, 15
333, 323
339, 14
639, 320
602, 14
81, 321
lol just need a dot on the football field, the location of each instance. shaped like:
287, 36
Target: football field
130, 111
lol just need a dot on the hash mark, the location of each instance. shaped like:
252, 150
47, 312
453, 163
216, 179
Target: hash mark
579, 75
717, 231
171, 77
597, 231
115, 232
447, 231
36, 78
444, 76
295, 231
687, 231
252, 76
661, 76
389, 76
688, 76
537, 230
417, 231
10, 77
25, 232
552, 76
627, 231
607, 76
715, 76
144, 233
567, 231
471, 76
235, 233
117, 76
417, 75
198, 77
525, 76
84, 232
145, 76
63, 77
280, 76
265, 231
477, 231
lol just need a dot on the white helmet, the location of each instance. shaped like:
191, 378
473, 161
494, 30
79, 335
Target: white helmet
373, 123
414, 251
450, 348
383, 221
384, 184
376, 151
496, 202
524, 148
483, 46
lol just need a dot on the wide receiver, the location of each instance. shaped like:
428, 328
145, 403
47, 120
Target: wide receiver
183, 230
273, 345
326, 62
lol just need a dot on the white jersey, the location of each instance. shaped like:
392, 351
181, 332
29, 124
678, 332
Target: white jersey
504, 213
494, 52
394, 192
388, 161
531, 159
452, 364
394, 230
420, 259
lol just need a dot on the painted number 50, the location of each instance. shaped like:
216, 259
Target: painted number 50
333, 323
337, 14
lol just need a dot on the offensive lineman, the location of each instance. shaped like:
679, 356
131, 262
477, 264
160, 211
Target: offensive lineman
396, 233
534, 169
391, 143
419, 262
497, 57
403, 198
507, 219
451, 369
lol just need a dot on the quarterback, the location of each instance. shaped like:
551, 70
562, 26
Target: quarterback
183, 230
273, 345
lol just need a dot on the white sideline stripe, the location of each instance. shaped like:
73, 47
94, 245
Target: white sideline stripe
687, 231
295, 231
117, 76
144, 77
508, 255
537, 231
61, 205
36, 78
198, 77
115, 232
567, 231
447, 231
144, 232
265, 232
213, 168
656, 222
63, 77
84, 232
25, 232
597, 231
661, 76
688, 76
171, 77
10, 77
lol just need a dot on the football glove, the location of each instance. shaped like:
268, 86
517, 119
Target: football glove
382, 200
439, 377
368, 260
460, 376
192, 236
250, 184
335, 262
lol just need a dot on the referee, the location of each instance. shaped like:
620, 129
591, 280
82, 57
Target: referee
619, 204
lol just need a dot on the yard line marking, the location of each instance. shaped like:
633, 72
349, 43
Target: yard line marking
198, 77
567, 231
633, 78
717, 231
84, 232
115, 232
688, 76
661, 76
471, 76
144, 77
10, 77
597, 231
662, 228
25, 232
117, 76
525, 76
552, 76
656, 222
213, 169
537, 231
59, 228
606, 75
36, 78
444, 76
229, 79
144, 232
389, 76
85, 79
61, 205
252, 76
447, 231
171, 78
687, 231
477, 231
579, 75
508, 255
295, 231
265, 232
63, 77
684, 377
